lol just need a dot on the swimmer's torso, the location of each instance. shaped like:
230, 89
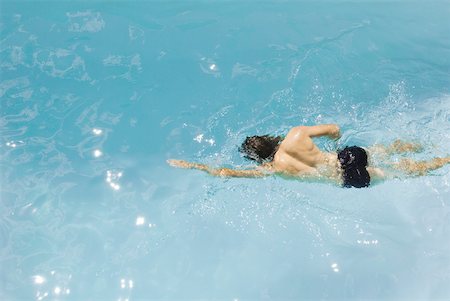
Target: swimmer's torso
297, 155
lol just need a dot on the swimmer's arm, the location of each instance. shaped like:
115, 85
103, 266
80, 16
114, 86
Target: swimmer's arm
237, 173
220, 172
186, 164
330, 130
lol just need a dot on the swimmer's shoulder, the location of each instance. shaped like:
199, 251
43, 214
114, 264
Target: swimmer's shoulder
297, 139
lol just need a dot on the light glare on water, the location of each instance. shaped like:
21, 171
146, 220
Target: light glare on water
96, 96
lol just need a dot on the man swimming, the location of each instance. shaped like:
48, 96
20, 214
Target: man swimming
296, 155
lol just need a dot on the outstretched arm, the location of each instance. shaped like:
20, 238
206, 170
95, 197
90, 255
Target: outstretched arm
220, 172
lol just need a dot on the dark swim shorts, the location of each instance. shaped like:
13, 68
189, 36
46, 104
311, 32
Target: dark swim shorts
353, 161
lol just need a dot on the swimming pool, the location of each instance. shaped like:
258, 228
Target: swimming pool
95, 96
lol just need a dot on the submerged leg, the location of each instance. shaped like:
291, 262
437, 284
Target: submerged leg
397, 147
421, 167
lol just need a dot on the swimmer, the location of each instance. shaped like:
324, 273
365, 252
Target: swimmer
296, 155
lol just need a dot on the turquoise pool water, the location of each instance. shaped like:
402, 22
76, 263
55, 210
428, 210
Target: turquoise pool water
95, 96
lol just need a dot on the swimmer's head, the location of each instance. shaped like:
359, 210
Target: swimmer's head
260, 148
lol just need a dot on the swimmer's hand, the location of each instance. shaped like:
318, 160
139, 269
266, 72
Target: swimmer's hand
335, 132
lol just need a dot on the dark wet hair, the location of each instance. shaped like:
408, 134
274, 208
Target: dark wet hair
353, 161
260, 148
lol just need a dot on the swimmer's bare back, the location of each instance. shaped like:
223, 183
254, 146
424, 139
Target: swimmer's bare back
298, 155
